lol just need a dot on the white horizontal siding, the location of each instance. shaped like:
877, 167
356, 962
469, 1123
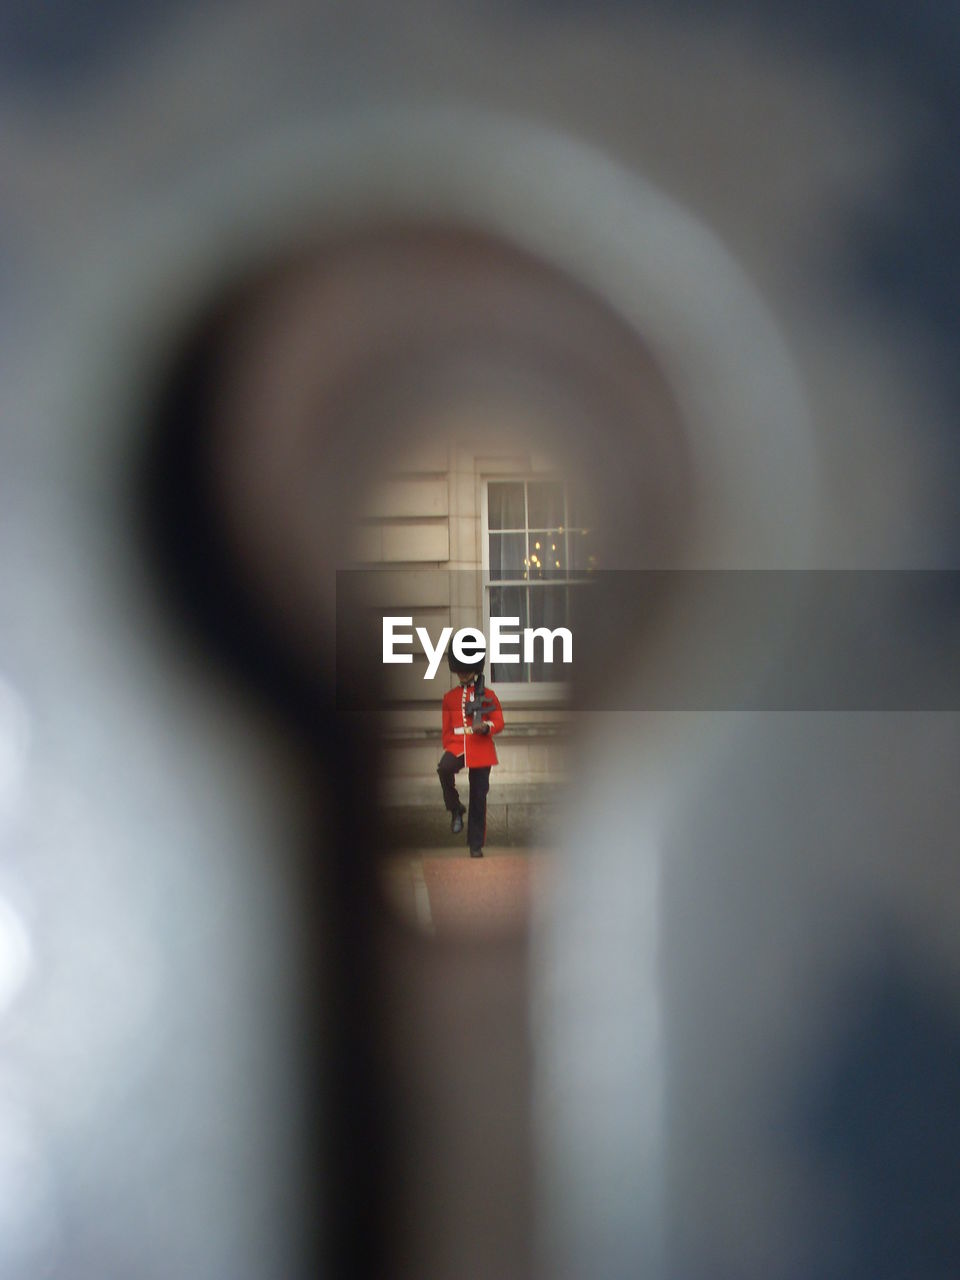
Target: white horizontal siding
406, 497
415, 543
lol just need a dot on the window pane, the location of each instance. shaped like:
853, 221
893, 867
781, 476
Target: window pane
507, 556
548, 555
577, 516
545, 501
509, 602
582, 550
505, 505
548, 608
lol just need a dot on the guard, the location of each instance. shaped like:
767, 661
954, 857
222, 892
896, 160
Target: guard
471, 716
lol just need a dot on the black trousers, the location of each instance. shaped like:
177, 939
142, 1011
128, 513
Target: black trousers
479, 786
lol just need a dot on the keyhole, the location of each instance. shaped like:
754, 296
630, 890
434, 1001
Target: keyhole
296, 398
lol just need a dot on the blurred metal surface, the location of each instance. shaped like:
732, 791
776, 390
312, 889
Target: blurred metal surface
744, 995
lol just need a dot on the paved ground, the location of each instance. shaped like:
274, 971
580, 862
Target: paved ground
459, 1044
447, 893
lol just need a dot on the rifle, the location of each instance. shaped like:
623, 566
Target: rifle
479, 703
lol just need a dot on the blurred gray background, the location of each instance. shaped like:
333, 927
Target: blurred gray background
744, 993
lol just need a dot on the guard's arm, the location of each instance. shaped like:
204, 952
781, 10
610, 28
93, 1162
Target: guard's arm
492, 714
446, 724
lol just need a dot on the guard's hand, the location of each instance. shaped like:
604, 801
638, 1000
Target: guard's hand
482, 728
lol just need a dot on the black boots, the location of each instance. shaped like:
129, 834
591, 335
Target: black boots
476, 853
456, 819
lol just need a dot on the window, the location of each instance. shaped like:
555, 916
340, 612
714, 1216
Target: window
536, 551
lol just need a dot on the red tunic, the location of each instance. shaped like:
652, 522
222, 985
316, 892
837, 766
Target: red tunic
476, 748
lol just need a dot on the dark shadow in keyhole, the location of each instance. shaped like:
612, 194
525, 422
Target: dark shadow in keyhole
342, 1164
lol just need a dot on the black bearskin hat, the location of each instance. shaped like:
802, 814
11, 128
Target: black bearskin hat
460, 668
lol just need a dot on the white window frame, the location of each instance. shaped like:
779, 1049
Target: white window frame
510, 693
